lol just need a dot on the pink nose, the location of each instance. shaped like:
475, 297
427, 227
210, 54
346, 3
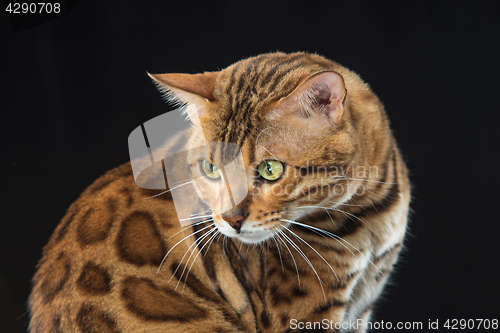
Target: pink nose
234, 221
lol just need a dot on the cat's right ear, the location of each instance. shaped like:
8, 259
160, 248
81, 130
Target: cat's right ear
323, 93
195, 90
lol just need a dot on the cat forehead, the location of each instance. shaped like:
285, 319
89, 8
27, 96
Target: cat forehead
246, 90
268, 76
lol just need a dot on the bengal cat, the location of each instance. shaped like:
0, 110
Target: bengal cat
310, 246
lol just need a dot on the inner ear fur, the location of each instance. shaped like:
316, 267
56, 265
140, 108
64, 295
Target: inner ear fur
323, 93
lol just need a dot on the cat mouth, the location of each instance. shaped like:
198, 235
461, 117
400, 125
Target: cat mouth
253, 236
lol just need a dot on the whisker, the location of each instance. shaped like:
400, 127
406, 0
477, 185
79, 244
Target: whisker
318, 231
166, 255
340, 211
293, 258
194, 218
241, 244
268, 151
366, 180
171, 189
257, 139
212, 240
323, 207
178, 182
312, 248
208, 210
279, 252
200, 251
352, 215
225, 243
297, 248
338, 239
189, 226
218, 238
195, 243
330, 216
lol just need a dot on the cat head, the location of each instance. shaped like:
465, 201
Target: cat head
286, 117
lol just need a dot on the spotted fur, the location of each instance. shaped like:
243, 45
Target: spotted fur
102, 270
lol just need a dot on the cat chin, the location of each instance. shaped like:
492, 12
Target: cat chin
253, 238
248, 237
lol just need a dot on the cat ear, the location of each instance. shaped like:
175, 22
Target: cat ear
323, 93
194, 89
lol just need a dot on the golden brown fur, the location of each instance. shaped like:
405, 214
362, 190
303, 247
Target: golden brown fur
99, 272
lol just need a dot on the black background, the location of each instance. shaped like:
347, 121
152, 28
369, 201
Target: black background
72, 90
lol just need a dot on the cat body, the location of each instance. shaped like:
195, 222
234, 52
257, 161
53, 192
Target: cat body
292, 253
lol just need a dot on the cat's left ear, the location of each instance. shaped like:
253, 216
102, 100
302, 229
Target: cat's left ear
196, 90
323, 93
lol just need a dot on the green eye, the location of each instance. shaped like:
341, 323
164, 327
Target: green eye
210, 170
271, 170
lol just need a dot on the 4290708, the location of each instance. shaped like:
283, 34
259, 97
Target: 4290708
471, 324
33, 8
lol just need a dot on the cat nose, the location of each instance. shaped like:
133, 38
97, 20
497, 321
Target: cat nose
234, 221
